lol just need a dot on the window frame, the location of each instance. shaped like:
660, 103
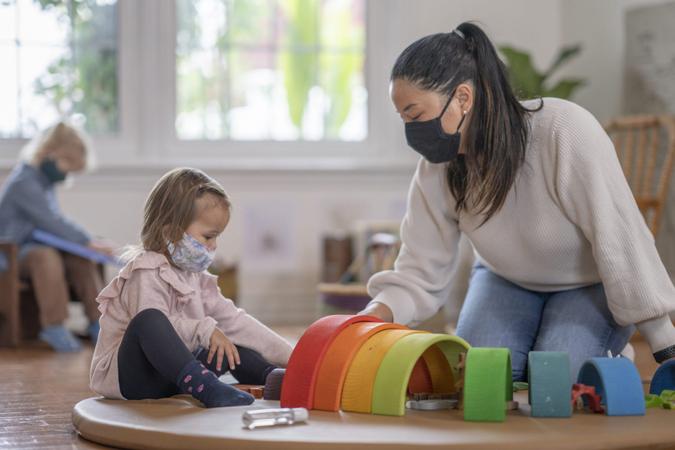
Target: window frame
122, 143
147, 106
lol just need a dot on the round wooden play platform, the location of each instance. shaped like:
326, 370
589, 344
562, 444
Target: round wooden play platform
179, 423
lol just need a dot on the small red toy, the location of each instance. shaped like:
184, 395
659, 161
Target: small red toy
581, 392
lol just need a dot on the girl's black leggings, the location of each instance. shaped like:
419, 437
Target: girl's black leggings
152, 355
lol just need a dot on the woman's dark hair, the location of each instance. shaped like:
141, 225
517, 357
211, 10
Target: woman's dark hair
496, 137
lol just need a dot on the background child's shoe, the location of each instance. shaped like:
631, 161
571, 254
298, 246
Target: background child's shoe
60, 339
92, 330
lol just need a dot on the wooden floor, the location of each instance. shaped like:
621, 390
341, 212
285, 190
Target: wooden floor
38, 389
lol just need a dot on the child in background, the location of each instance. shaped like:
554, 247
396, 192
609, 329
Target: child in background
27, 202
165, 327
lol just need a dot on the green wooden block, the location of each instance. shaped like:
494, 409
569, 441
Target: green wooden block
487, 384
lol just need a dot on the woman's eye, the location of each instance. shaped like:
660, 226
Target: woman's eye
417, 117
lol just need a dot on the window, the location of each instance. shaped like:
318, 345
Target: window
59, 60
237, 84
273, 70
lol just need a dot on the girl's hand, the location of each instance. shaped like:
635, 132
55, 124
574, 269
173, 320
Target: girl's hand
102, 246
220, 345
379, 310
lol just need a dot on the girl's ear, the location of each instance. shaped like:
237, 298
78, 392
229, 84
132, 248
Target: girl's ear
167, 234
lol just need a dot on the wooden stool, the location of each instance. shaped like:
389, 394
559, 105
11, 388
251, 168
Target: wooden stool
10, 325
19, 313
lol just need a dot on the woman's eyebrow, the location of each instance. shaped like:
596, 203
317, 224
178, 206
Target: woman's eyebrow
408, 107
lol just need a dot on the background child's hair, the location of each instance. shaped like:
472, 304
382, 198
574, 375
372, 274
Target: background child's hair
171, 206
60, 135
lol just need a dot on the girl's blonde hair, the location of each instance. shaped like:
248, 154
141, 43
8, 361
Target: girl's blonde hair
171, 206
60, 135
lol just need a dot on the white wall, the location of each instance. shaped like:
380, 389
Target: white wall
110, 204
599, 26
534, 25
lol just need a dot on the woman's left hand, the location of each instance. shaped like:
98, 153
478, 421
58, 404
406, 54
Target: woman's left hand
379, 310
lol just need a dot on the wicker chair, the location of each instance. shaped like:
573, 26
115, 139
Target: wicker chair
645, 145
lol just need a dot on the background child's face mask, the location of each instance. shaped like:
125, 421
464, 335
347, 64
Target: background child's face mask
190, 254
51, 170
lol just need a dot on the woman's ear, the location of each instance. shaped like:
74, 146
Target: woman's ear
464, 94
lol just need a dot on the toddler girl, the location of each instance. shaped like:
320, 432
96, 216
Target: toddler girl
165, 327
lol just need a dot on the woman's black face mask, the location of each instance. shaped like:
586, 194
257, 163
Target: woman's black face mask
429, 140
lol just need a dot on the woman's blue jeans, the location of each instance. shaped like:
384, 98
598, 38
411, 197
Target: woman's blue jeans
498, 313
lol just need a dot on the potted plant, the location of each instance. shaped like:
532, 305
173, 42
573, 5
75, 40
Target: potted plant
528, 82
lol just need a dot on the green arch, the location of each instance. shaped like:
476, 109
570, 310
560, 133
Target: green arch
487, 384
391, 381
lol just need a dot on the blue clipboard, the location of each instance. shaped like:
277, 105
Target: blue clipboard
76, 249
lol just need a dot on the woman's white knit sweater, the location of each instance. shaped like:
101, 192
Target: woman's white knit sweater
570, 220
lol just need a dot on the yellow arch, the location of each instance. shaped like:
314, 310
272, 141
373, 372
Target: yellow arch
389, 389
357, 390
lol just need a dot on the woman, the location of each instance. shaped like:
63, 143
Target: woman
564, 258
28, 202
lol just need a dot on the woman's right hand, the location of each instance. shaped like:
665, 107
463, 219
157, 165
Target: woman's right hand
379, 310
220, 345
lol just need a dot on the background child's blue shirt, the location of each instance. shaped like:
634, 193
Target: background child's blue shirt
27, 202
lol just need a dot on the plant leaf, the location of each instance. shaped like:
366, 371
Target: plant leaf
339, 69
300, 67
564, 54
525, 79
564, 88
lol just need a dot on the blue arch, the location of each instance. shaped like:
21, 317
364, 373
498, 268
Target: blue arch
617, 381
664, 378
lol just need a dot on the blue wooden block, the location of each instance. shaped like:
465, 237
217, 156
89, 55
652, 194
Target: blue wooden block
550, 384
618, 383
664, 378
